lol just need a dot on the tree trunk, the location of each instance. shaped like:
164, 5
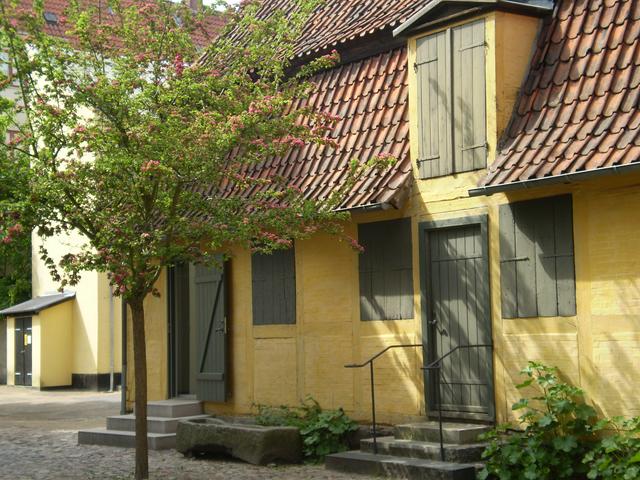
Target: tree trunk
140, 382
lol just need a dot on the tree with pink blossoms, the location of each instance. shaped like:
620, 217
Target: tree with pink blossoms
147, 148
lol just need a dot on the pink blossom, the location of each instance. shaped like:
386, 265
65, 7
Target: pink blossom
150, 165
178, 65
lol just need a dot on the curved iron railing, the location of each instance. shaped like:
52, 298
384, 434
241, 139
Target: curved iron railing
373, 392
436, 366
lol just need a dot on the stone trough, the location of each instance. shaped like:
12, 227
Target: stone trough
251, 443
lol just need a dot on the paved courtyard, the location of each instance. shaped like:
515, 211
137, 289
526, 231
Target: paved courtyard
38, 440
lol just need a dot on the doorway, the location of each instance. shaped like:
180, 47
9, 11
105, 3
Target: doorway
181, 334
198, 332
23, 345
457, 317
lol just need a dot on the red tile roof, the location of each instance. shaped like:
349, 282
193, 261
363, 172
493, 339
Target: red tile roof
371, 96
202, 36
578, 111
339, 21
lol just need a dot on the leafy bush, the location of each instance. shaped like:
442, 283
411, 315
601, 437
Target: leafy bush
616, 456
323, 431
558, 432
561, 437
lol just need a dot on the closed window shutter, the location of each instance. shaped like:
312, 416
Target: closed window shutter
469, 96
537, 259
434, 105
385, 268
274, 288
508, 260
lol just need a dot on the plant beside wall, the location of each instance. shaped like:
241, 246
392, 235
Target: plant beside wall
561, 437
616, 456
323, 431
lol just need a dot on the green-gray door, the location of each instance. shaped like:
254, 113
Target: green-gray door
211, 326
458, 315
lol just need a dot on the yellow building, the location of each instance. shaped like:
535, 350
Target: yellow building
506, 231
508, 227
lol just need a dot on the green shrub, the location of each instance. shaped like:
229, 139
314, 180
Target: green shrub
616, 456
560, 437
558, 431
323, 431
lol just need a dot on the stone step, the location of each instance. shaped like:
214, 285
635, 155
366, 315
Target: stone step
154, 424
457, 433
397, 467
119, 438
461, 453
174, 408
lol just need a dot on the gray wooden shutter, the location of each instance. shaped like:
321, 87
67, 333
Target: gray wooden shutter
508, 260
274, 288
434, 105
385, 269
537, 260
210, 311
469, 97
564, 256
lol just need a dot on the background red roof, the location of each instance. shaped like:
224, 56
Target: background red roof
212, 24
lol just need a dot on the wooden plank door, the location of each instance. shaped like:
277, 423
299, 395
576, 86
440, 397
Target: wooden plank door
458, 315
23, 341
211, 326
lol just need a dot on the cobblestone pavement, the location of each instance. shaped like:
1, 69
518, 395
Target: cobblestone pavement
38, 440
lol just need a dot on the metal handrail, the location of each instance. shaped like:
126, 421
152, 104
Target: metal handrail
437, 366
373, 393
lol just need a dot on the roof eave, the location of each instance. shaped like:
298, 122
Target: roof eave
566, 178
416, 19
367, 208
16, 312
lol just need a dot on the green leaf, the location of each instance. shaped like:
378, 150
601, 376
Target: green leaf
635, 458
520, 404
546, 420
565, 444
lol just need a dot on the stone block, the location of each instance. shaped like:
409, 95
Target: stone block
251, 443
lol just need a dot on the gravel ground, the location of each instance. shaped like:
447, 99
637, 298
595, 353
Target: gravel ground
38, 440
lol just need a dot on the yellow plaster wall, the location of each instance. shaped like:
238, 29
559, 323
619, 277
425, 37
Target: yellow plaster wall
90, 315
54, 343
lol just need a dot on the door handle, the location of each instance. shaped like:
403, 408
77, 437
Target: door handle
433, 322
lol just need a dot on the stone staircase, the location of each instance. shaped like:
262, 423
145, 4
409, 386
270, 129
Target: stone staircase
162, 421
413, 452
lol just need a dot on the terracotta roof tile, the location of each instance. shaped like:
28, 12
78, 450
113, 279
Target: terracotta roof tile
339, 21
375, 121
578, 109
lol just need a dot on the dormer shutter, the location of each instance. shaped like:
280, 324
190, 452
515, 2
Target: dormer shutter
433, 71
469, 93
451, 101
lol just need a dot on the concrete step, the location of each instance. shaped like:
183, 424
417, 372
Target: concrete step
457, 433
174, 408
118, 438
154, 424
461, 453
397, 467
